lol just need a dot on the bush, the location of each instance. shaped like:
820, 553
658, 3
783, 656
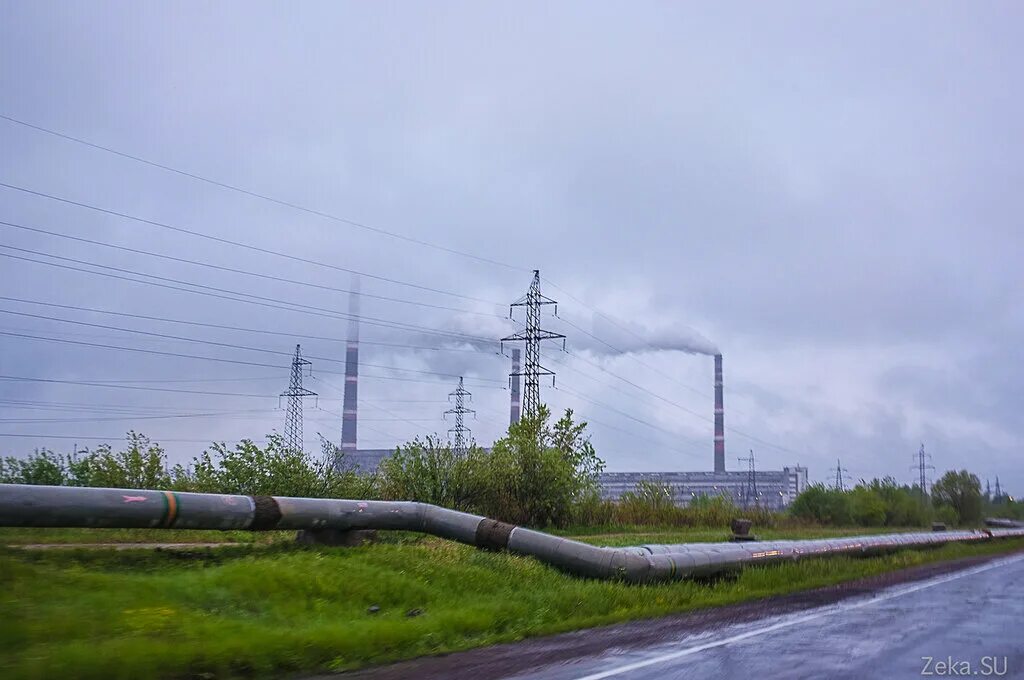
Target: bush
429, 471
274, 470
880, 502
42, 467
648, 503
142, 465
825, 506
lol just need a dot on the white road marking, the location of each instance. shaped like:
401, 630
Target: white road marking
800, 619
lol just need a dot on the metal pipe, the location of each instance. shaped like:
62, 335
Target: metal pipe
60, 506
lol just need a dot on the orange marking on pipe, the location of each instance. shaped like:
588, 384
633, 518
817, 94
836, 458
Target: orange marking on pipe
172, 509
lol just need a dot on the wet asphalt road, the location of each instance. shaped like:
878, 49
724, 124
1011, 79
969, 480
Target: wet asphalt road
975, 616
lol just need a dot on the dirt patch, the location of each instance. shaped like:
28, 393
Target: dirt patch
508, 659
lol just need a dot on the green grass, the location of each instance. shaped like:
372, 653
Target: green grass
269, 609
25, 536
613, 536
620, 536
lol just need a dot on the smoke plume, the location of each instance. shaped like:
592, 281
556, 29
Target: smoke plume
629, 338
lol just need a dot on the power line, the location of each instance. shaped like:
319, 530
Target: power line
286, 204
253, 194
245, 272
187, 380
199, 341
130, 417
225, 185
242, 329
86, 383
120, 437
226, 241
633, 357
634, 435
641, 421
575, 355
221, 394
679, 406
255, 299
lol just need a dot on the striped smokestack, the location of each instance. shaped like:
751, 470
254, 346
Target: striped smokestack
719, 418
351, 398
516, 398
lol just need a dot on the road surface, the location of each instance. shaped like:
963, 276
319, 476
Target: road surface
963, 623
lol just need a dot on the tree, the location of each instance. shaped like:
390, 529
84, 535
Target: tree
960, 491
143, 465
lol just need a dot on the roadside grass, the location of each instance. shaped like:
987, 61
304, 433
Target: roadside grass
30, 535
613, 536
256, 610
640, 535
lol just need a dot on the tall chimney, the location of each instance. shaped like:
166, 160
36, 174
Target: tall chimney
516, 399
719, 418
351, 399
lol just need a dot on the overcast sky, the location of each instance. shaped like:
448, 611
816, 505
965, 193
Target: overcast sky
828, 192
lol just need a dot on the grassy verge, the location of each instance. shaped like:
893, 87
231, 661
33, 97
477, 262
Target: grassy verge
263, 609
613, 536
620, 536
27, 535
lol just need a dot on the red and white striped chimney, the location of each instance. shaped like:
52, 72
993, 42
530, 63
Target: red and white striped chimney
719, 418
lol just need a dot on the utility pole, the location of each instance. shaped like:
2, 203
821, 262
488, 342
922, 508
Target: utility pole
532, 336
295, 393
839, 476
460, 434
750, 489
922, 466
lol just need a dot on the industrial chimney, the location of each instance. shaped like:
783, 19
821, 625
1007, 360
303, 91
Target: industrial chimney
348, 413
719, 418
516, 399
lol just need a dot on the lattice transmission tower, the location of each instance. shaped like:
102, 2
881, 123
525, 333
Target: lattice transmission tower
460, 435
840, 470
295, 393
750, 490
532, 336
922, 466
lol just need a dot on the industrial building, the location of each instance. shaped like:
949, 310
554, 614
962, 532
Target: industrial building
773, 489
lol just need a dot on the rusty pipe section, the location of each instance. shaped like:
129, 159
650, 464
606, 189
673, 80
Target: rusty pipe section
57, 506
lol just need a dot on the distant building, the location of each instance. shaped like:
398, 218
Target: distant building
366, 460
775, 488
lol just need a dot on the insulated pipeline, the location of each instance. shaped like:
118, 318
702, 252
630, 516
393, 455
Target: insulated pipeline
57, 506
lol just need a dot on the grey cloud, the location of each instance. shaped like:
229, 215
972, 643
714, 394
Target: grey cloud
800, 177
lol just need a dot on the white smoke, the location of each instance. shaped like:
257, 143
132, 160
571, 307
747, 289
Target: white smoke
630, 338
